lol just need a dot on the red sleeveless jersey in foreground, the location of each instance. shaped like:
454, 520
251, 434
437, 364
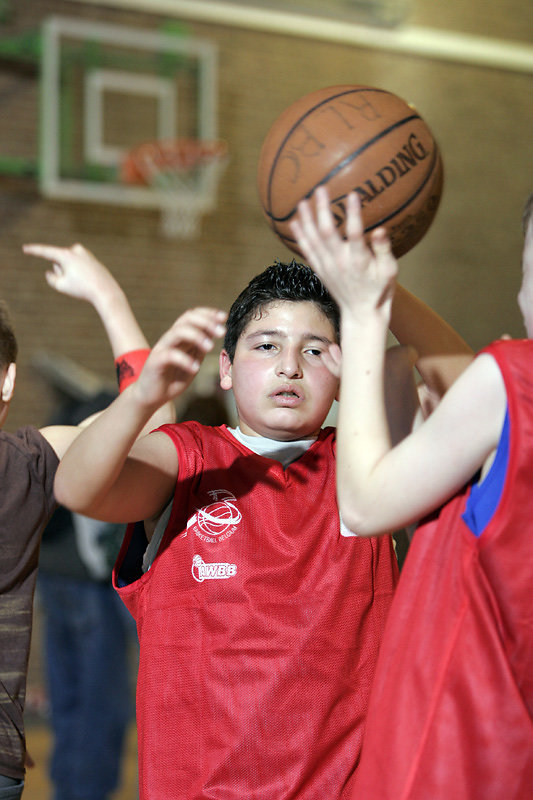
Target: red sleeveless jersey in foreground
451, 710
259, 627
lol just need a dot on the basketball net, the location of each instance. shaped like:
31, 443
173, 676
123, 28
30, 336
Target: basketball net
184, 175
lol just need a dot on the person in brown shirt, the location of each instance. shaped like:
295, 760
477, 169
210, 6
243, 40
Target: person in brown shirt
28, 461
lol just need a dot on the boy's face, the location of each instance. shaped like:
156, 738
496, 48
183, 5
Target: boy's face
281, 386
525, 296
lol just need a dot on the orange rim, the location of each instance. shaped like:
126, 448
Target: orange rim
149, 159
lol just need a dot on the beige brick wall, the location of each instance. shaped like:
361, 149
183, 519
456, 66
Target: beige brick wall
467, 266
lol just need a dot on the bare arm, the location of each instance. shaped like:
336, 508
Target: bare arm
104, 474
442, 353
60, 437
381, 487
77, 273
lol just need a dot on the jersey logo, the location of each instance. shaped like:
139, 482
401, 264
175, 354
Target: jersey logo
202, 571
218, 520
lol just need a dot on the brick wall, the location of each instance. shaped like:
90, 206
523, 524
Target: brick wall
467, 266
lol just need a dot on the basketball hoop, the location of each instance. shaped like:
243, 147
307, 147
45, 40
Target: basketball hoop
183, 174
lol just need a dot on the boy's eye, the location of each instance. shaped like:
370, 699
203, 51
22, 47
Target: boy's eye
265, 346
314, 351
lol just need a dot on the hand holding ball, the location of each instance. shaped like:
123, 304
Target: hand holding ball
353, 138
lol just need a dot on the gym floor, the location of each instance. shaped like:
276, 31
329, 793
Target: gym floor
37, 784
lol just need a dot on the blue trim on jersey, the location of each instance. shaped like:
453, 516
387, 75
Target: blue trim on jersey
485, 496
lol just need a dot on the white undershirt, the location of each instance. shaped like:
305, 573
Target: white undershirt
284, 452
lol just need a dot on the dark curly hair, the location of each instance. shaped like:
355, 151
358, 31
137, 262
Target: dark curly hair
294, 281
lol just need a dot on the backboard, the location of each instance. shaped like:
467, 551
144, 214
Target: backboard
105, 88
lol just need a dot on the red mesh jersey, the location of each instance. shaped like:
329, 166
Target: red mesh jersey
259, 627
451, 711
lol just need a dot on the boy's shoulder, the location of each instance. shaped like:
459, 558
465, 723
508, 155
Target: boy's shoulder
28, 442
193, 440
510, 354
28, 465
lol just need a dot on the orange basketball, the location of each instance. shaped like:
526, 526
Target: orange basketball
353, 138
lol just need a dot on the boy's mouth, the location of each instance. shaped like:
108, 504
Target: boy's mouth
287, 396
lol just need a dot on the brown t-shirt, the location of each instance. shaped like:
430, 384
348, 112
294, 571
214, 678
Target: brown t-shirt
27, 468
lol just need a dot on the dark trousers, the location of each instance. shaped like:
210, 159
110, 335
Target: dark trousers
10, 789
87, 636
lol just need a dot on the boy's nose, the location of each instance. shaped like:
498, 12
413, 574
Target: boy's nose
289, 365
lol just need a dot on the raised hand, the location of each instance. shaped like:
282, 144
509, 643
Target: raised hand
77, 273
178, 355
354, 272
74, 271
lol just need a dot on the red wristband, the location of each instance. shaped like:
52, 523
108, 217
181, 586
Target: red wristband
129, 366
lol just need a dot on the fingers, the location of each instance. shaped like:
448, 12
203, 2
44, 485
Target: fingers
316, 232
193, 335
326, 222
52, 252
47, 251
354, 220
74, 271
53, 276
382, 249
323, 228
381, 244
59, 256
66, 256
321, 242
332, 359
358, 273
199, 321
302, 229
177, 356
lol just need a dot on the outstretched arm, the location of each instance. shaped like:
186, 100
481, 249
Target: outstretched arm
77, 273
381, 488
106, 474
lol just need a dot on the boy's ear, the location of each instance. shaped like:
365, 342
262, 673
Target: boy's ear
8, 384
224, 362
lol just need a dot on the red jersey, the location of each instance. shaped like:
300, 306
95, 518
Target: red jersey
451, 710
259, 626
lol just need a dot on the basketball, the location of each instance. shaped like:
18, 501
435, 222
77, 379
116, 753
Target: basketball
353, 138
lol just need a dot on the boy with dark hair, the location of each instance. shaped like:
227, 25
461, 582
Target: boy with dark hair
259, 613
277, 282
28, 461
451, 709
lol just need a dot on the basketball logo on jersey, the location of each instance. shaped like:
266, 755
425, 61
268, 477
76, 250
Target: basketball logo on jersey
202, 571
218, 520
